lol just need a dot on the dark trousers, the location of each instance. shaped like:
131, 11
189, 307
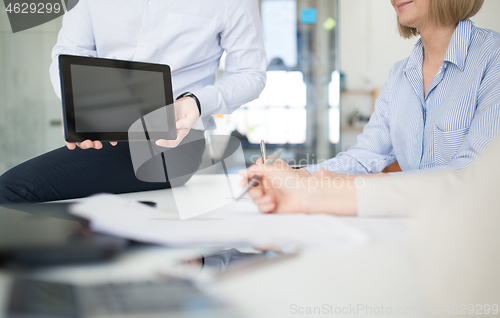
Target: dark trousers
68, 174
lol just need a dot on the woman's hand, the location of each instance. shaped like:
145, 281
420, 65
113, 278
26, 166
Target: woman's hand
282, 165
280, 190
283, 190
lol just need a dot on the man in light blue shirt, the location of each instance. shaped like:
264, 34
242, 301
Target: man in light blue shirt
191, 37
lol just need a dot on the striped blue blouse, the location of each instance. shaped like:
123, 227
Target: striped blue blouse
447, 129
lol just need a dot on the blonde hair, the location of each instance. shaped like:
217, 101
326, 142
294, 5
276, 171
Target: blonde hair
445, 12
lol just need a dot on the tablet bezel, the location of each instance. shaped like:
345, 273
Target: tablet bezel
70, 134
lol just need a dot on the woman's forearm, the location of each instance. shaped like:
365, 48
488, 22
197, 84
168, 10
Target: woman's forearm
331, 195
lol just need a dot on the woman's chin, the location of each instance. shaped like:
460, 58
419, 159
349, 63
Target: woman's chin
408, 21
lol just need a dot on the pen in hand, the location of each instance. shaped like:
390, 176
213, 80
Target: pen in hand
254, 180
263, 151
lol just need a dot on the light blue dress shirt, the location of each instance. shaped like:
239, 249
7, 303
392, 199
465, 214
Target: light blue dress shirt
188, 35
446, 130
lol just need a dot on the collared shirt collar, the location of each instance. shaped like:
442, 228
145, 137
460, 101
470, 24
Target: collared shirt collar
459, 44
416, 57
457, 49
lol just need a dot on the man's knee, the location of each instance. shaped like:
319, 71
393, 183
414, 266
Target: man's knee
12, 190
6, 194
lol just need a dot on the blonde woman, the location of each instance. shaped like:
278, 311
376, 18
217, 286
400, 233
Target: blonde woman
438, 110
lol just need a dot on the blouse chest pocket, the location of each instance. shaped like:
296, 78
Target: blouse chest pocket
447, 143
186, 39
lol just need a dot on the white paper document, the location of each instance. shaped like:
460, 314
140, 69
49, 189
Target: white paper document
234, 223
207, 194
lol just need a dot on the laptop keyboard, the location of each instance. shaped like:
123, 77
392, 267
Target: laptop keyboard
152, 296
36, 298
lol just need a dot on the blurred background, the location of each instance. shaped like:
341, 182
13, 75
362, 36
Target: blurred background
328, 60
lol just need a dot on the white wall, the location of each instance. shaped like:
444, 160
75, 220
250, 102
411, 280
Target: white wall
370, 43
488, 17
27, 101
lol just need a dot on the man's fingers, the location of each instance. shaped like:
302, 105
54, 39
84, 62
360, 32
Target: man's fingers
97, 144
87, 144
71, 145
184, 124
168, 143
173, 143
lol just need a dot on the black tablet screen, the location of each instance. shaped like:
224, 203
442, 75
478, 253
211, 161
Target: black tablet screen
111, 99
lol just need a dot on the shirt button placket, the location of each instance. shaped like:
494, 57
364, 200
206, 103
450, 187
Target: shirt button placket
145, 30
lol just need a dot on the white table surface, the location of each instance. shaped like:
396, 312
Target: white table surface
384, 273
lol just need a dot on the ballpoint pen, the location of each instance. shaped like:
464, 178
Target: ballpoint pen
263, 151
254, 180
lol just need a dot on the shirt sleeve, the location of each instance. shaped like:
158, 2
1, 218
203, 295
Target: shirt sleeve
75, 38
400, 196
246, 61
414, 194
373, 151
484, 126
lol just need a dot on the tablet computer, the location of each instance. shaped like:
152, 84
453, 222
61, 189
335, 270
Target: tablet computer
103, 98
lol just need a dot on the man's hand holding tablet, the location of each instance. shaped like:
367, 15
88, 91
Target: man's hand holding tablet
88, 144
186, 115
103, 98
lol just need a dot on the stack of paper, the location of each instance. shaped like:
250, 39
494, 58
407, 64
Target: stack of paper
235, 223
